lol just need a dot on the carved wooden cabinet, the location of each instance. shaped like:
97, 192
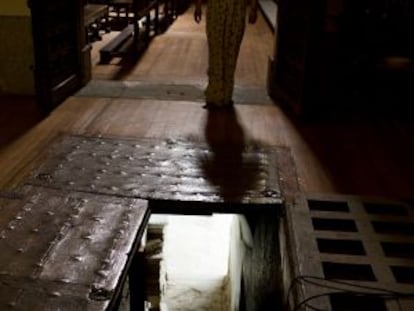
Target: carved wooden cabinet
62, 56
332, 54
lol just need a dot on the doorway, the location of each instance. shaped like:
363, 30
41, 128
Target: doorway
174, 65
60, 51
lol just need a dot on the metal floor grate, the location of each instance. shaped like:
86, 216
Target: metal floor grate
336, 246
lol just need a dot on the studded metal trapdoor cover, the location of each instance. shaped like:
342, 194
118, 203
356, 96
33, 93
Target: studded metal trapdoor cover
163, 170
66, 251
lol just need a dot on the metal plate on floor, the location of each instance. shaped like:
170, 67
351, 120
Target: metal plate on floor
162, 170
59, 248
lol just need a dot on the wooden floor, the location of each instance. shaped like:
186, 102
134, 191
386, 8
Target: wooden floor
366, 157
18, 114
180, 56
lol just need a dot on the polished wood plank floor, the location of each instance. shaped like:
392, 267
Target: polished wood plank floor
180, 56
363, 157
18, 114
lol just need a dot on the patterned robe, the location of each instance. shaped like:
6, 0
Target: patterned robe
226, 21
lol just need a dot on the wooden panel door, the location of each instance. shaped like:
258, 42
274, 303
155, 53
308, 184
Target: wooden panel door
62, 57
292, 54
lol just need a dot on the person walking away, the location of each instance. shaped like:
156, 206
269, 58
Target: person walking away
225, 25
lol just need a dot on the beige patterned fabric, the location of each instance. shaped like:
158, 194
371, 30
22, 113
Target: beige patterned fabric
226, 20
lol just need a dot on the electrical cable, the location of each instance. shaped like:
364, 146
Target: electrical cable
352, 290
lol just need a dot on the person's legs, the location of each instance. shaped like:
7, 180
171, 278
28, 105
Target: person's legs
215, 24
234, 31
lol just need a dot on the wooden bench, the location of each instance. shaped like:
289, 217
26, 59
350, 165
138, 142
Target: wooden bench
115, 46
133, 38
95, 20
